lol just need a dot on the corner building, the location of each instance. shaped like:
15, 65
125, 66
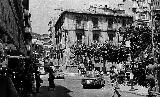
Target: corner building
86, 27
12, 24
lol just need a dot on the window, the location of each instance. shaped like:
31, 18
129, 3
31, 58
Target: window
78, 19
111, 37
79, 22
79, 34
110, 23
142, 16
96, 35
95, 22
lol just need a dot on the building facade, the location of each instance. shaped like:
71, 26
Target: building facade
156, 4
77, 27
139, 9
13, 22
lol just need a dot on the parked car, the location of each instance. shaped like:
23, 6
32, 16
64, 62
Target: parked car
59, 74
92, 80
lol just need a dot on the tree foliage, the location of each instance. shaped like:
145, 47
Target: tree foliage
140, 38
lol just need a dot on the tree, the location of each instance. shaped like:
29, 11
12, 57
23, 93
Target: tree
140, 38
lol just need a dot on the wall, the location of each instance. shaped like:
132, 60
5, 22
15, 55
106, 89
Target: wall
11, 22
70, 25
8, 21
68, 21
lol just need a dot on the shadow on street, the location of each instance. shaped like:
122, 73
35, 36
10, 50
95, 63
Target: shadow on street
93, 87
59, 91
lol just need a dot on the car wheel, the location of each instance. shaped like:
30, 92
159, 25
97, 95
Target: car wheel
84, 86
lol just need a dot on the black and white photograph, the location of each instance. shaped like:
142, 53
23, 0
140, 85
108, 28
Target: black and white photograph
79, 48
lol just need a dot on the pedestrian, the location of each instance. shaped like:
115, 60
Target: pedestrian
116, 92
114, 81
152, 83
51, 80
115, 86
38, 81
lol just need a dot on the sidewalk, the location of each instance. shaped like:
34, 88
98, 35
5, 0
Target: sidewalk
139, 90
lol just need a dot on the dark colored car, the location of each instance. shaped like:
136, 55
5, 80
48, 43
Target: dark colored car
59, 74
93, 80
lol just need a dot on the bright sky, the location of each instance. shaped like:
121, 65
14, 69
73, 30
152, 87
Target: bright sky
43, 10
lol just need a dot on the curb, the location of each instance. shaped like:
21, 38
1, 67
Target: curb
133, 93
157, 93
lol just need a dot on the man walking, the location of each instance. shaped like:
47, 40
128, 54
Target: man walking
38, 81
114, 80
51, 80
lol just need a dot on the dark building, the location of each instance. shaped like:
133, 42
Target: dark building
14, 24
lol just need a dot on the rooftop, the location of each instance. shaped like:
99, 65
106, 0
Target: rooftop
96, 11
92, 12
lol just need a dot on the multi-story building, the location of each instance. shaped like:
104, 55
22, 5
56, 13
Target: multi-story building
89, 26
156, 6
14, 17
139, 9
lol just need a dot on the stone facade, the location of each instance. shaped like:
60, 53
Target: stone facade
8, 21
75, 27
12, 23
156, 4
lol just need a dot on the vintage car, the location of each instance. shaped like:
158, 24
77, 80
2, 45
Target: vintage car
59, 74
93, 80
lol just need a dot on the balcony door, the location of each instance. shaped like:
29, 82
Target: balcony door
96, 36
80, 34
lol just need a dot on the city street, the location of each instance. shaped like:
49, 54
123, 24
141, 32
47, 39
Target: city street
71, 87
66, 38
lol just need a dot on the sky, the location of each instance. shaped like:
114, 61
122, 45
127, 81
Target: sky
42, 10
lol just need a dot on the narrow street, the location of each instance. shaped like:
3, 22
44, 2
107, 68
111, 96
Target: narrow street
64, 38
71, 87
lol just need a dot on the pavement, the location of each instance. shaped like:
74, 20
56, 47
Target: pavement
138, 90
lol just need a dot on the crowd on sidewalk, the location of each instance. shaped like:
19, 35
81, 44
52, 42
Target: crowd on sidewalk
128, 84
